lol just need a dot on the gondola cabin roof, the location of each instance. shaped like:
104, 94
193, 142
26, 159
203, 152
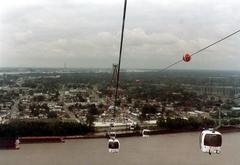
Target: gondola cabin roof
210, 131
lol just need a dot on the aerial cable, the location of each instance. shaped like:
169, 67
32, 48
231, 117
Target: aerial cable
120, 56
197, 52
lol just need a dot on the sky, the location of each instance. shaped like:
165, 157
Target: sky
86, 34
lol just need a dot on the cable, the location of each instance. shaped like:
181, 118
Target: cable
175, 63
169, 66
120, 56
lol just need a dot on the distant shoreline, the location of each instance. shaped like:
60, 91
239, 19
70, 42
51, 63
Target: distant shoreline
13, 143
19, 70
50, 139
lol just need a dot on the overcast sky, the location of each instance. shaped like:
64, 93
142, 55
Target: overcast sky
86, 33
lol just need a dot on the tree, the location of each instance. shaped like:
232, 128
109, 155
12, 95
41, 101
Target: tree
101, 106
36, 111
39, 98
92, 109
90, 120
208, 122
149, 109
18, 128
137, 127
234, 121
80, 98
129, 100
177, 123
194, 122
161, 123
52, 114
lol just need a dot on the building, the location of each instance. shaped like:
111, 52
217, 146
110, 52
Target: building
223, 91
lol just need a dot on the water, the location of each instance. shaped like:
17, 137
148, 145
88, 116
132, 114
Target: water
171, 149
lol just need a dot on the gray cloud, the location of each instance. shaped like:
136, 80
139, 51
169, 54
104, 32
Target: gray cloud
87, 33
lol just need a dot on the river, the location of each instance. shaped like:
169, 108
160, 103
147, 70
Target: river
168, 149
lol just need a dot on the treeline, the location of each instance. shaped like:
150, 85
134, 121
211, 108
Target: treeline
234, 121
191, 123
43, 128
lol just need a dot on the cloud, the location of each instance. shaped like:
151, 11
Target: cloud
87, 33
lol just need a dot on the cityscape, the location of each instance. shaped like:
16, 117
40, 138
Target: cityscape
193, 98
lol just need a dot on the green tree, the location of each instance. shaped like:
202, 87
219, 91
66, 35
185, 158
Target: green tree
90, 120
161, 123
92, 109
194, 122
52, 115
234, 122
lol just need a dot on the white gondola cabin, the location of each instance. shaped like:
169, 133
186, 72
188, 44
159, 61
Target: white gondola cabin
112, 135
210, 141
145, 133
132, 127
113, 145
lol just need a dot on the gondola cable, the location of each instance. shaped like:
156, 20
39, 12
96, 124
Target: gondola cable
113, 142
197, 52
120, 57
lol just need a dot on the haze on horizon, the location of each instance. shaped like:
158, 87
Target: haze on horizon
42, 33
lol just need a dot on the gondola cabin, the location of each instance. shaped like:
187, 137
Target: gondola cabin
145, 133
112, 135
113, 145
132, 127
210, 141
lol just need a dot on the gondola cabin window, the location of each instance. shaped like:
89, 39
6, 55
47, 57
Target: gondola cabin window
213, 140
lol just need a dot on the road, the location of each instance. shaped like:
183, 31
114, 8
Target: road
65, 107
14, 110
